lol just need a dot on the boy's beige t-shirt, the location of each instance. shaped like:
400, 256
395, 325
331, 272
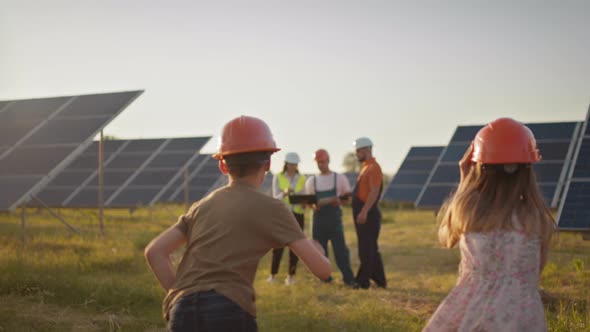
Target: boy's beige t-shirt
228, 232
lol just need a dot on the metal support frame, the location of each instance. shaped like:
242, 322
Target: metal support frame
430, 176
137, 171
56, 215
192, 174
567, 164
570, 175
186, 188
94, 174
101, 184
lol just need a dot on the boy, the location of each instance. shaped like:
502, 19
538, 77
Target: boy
226, 234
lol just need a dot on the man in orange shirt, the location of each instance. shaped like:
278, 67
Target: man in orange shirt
367, 216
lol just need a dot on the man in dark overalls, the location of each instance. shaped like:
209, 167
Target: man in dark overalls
327, 216
367, 216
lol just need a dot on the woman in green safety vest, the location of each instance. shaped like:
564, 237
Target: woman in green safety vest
289, 181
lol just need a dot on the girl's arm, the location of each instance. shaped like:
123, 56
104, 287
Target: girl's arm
312, 255
158, 252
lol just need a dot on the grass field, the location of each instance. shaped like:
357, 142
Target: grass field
60, 281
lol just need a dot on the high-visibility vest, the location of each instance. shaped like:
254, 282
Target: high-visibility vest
285, 183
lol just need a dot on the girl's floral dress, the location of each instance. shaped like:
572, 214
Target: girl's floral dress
497, 289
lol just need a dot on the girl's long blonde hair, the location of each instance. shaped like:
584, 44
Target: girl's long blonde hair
489, 198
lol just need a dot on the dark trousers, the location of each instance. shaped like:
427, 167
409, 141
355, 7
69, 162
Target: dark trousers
371, 267
277, 253
330, 229
209, 311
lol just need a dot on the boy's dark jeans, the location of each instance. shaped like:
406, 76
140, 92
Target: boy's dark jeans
209, 311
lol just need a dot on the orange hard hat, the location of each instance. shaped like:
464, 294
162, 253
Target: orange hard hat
245, 134
505, 141
321, 155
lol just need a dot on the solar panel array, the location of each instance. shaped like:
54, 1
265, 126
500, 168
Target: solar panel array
574, 210
203, 176
412, 174
136, 173
555, 141
40, 137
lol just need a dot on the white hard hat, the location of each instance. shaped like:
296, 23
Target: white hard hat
292, 158
362, 142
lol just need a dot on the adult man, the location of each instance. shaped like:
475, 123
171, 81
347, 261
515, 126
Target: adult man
367, 216
329, 187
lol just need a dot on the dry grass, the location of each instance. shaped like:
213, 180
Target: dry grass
60, 281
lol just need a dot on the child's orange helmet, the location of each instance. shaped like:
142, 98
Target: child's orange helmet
505, 141
245, 134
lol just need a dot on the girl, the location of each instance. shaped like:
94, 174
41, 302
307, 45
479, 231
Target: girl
499, 218
287, 182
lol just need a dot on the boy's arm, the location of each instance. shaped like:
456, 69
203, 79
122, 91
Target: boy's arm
311, 253
157, 254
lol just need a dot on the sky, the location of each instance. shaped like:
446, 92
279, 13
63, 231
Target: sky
320, 73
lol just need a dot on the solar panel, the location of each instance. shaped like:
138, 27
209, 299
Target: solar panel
403, 193
204, 176
71, 177
409, 178
555, 141
3, 104
465, 134
454, 152
40, 137
412, 174
575, 214
436, 194
13, 188
77, 130
445, 174
33, 160
136, 173
53, 196
87, 197
574, 210
582, 167
418, 165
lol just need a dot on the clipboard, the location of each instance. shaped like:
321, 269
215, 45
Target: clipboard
303, 199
